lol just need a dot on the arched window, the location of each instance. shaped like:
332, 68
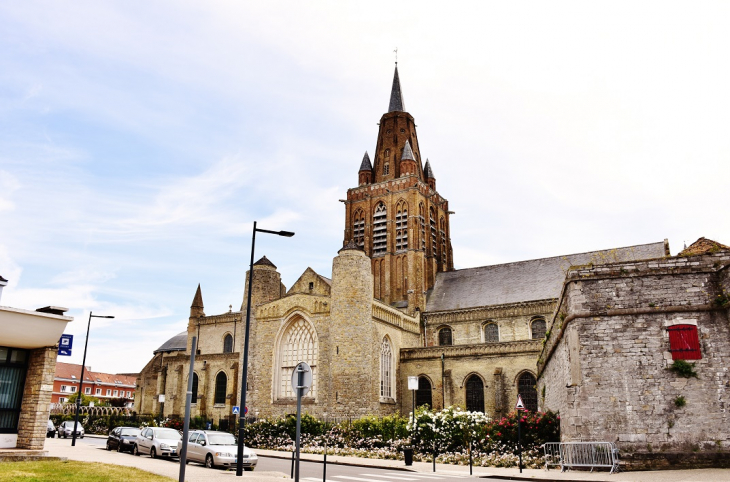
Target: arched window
228, 344
380, 230
442, 233
221, 385
298, 344
386, 369
537, 327
422, 221
526, 388
491, 333
194, 398
445, 337
432, 221
474, 394
423, 394
358, 228
386, 169
401, 226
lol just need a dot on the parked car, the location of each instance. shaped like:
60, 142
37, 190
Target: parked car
51, 431
122, 439
157, 442
66, 429
216, 449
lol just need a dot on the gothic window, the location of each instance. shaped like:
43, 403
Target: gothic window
474, 394
221, 384
526, 388
358, 228
380, 230
445, 336
422, 220
194, 398
298, 344
401, 226
491, 333
442, 233
228, 344
537, 327
386, 169
684, 344
386, 369
432, 221
423, 394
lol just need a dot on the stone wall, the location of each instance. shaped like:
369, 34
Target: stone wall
605, 363
37, 393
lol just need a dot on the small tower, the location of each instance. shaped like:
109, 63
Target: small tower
267, 285
428, 174
365, 175
407, 162
196, 309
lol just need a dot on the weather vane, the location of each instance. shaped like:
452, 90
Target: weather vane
396, 55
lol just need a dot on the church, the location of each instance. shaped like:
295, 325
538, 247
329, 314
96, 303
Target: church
394, 308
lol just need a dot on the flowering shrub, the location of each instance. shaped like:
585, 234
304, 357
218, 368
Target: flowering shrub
537, 428
449, 430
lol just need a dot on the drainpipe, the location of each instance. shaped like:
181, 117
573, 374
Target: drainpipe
443, 383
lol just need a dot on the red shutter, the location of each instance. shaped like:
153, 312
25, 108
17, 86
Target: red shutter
684, 344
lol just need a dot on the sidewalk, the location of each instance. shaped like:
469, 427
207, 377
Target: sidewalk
195, 473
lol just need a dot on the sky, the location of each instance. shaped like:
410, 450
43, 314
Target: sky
140, 140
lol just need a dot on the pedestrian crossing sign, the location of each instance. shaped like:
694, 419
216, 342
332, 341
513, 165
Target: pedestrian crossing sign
520, 405
236, 410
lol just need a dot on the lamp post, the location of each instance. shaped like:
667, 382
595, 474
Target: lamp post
81, 382
244, 376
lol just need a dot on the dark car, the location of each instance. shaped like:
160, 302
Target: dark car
122, 439
51, 431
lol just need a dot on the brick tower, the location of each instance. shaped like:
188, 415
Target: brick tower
396, 215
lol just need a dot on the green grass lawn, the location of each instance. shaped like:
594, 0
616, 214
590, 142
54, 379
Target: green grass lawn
52, 470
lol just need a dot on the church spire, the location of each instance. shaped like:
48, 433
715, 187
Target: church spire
366, 165
196, 309
396, 96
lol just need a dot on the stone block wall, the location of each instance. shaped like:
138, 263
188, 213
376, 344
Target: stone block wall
605, 365
37, 393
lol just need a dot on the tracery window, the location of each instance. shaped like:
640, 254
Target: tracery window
380, 230
298, 344
491, 333
358, 228
445, 336
422, 220
221, 384
228, 344
474, 394
386, 369
527, 390
432, 221
401, 226
537, 327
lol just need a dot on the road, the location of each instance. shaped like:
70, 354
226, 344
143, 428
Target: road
312, 471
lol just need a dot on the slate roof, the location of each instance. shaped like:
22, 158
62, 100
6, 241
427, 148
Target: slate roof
427, 171
264, 261
178, 342
532, 280
396, 96
407, 152
366, 165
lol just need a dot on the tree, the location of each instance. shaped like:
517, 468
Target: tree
85, 399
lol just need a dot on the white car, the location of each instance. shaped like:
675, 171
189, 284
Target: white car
216, 449
66, 429
157, 442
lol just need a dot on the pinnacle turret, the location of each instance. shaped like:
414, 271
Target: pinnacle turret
427, 171
366, 165
396, 96
407, 152
196, 309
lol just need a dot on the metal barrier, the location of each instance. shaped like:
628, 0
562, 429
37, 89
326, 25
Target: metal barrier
582, 454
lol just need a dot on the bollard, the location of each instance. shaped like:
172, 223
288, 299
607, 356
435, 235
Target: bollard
470, 459
434, 457
292, 465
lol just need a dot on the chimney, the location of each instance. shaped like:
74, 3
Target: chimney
3, 284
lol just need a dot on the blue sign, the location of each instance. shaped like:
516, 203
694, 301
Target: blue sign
236, 410
65, 344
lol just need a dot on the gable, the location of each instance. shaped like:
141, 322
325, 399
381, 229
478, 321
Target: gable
319, 284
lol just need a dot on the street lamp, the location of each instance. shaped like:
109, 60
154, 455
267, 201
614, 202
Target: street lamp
81, 383
244, 376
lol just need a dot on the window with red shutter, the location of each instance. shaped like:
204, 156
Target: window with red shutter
684, 344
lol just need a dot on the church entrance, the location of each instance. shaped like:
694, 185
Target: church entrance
423, 394
474, 394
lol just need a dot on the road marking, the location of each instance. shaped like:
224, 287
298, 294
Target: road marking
360, 479
394, 477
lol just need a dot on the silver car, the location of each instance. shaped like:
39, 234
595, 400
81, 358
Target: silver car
157, 442
217, 449
66, 429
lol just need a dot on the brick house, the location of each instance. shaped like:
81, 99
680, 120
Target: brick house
104, 386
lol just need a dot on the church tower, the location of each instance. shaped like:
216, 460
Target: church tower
396, 215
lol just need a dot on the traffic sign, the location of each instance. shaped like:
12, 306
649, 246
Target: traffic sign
306, 381
245, 410
236, 410
520, 405
65, 344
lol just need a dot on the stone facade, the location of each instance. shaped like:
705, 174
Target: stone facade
37, 393
605, 364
